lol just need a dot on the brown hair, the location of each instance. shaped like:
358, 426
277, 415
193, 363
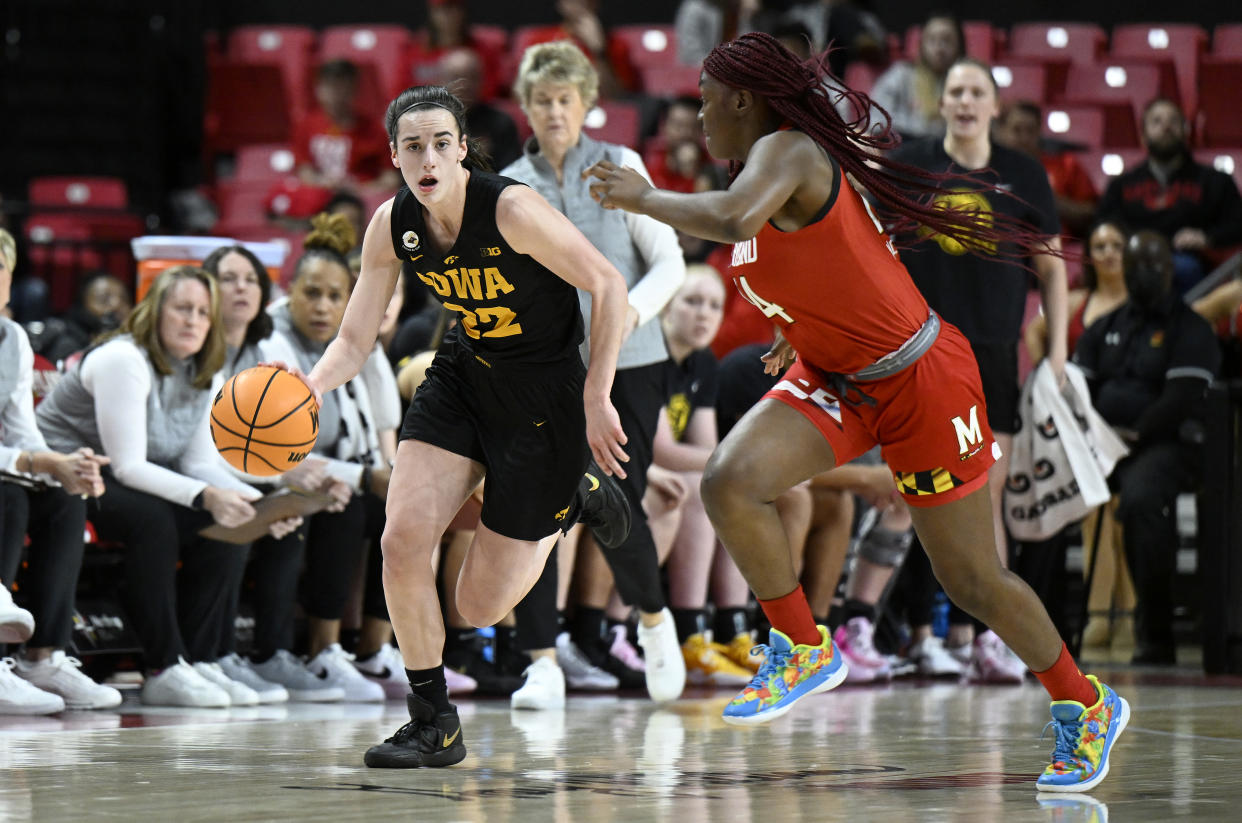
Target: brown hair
143, 325
331, 237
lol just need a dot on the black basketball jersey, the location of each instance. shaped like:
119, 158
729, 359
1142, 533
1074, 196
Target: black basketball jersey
511, 307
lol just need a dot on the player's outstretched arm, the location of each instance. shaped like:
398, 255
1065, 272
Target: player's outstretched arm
774, 170
533, 227
354, 342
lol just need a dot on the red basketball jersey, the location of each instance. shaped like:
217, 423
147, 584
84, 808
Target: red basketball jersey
836, 287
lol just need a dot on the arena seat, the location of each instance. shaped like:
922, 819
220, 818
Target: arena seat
651, 45
1121, 90
1180, 44
378, 47
1102, 165
1227, 40
1220, 116
290, 48
78, 192
1228, 160
671, 81
1072, 42
614, 121
59, 249
246, 103
1075, 124
1021, 80
264, 161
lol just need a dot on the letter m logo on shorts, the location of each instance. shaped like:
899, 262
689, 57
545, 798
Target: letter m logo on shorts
969, 436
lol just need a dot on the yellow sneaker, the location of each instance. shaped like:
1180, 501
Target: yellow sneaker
739, 649
709, 663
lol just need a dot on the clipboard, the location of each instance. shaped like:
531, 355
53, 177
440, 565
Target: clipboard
279, 505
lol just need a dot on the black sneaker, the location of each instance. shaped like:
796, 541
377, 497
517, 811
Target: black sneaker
429, 739
468, 659
604, 508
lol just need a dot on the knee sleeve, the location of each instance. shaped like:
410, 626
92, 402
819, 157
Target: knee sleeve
884, 547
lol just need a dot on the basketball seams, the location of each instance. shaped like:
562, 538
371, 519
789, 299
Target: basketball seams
271, 378
234, 430
277, 444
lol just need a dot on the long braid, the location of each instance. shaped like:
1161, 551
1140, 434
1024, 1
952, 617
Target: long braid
804, 93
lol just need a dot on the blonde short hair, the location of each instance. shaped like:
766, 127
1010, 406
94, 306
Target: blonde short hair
557, 62
143, 324
8, 250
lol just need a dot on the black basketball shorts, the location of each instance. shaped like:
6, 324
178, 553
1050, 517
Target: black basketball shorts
525, 424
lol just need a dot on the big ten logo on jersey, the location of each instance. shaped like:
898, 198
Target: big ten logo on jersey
801, 389
475, 284
490, 251
746, 252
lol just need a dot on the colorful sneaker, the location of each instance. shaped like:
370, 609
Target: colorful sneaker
855, 640
429, 739
789, 673
623, 650
743, 651
708, 663
993, 662
1085, 738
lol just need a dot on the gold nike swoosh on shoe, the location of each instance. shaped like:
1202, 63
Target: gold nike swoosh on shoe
448, 741
540, 423
594, 481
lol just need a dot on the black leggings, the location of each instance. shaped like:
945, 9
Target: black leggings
55, 522
327, 544
175, 613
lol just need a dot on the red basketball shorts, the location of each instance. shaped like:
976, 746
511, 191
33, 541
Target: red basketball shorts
929, 420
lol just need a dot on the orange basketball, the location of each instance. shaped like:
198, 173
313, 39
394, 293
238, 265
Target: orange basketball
264, 421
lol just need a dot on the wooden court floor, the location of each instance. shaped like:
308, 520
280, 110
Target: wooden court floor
908, 751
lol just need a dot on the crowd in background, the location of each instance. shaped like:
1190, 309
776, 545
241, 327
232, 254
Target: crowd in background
120, 437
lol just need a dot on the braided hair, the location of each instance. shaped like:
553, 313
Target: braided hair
804, 93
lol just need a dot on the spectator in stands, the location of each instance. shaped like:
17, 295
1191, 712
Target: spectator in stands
1018, 128
140, 396
675, 155
984, 294
911, 92
461, 72
335, 145
103, 302
39, 496
556, 86
685, 439
609, 55
1197, 208
1148, 365
853, 31
701, 25
448, 29
327, 554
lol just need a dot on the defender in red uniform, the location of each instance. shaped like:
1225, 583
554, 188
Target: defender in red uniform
874, 365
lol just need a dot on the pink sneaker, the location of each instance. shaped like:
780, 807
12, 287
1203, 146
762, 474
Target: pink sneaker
624, 651
459, 683
855, 640
993, 662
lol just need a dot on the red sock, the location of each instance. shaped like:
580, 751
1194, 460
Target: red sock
791, 615
1065, 682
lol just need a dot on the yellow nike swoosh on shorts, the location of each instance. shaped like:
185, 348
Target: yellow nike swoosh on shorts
594, 481
448, 741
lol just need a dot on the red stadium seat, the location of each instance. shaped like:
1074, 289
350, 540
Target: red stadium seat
290, 48
514, 109
60, 248
378, 46
78, 192
650, 45
246, 104
1103, 165
671, 81
242, 205
980, 36
1075, 124
1227, 40
1121, 90
1021, 80
1181, 44
614, 121
264, 162
1220, 116
492, 38
1227, 160
1072, 42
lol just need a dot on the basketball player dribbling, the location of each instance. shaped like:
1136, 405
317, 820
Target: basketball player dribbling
506, 398
874, 365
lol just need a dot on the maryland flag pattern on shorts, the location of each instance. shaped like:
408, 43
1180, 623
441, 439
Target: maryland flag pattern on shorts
935, 481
